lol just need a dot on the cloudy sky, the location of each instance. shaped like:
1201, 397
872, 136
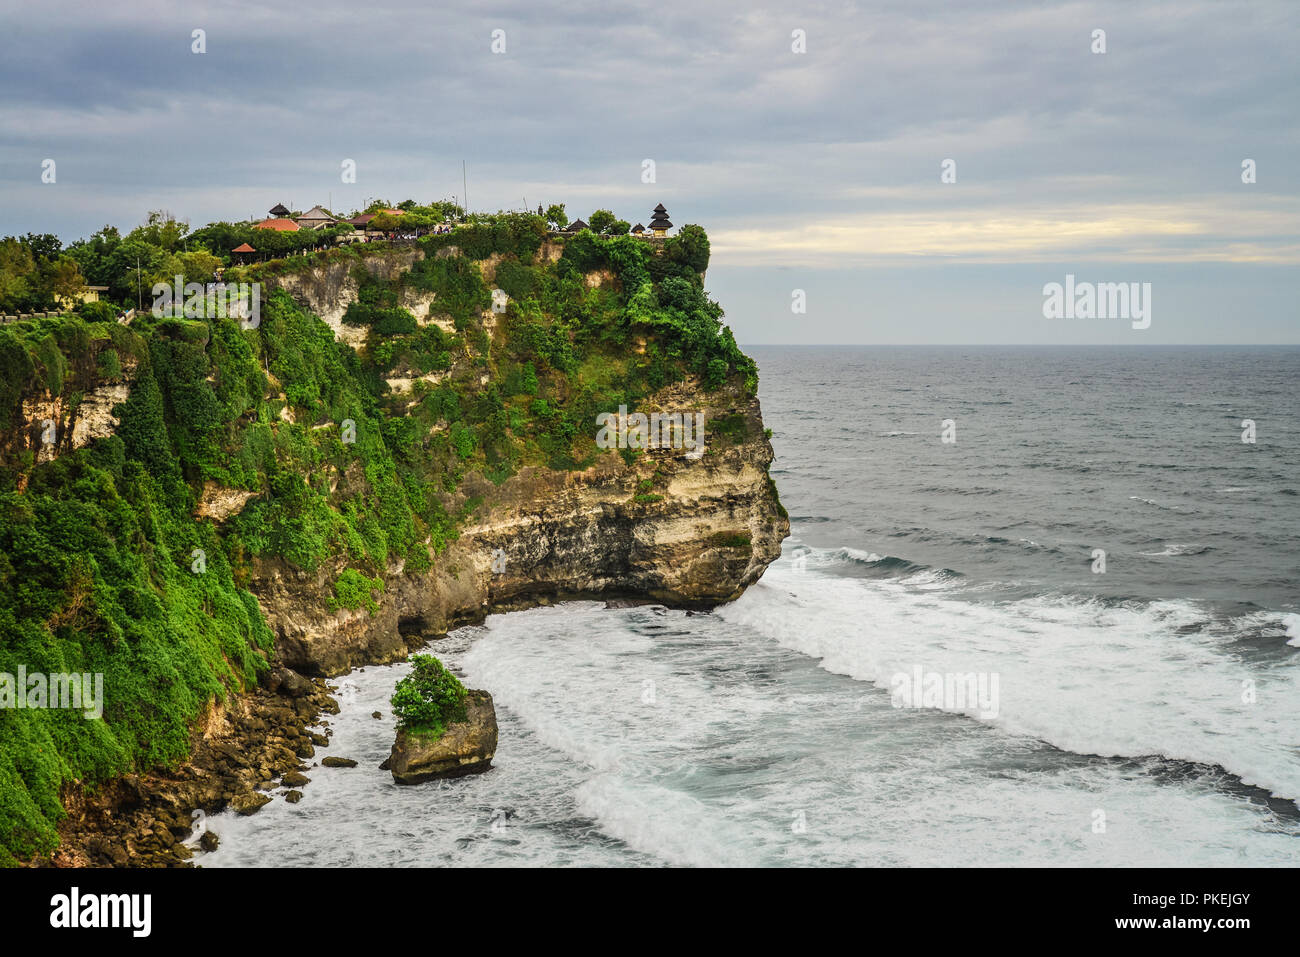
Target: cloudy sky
817, 171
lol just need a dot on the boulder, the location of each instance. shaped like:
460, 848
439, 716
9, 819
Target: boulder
466, 747
250, 802
289, 683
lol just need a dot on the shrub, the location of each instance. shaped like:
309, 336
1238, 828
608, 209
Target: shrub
354, 590
97, 311
429, 698
110, 366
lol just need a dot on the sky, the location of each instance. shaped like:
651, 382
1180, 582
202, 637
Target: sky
809, 139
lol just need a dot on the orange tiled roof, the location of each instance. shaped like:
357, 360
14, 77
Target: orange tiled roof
279, 225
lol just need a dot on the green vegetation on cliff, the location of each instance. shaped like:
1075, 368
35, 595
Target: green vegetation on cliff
353, 462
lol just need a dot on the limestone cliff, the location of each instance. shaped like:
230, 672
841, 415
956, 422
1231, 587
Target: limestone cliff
707, 531
687, 530
407, 442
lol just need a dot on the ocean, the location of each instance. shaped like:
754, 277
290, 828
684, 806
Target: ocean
942, 669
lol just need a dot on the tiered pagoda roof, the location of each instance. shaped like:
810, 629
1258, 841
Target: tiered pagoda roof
660, 218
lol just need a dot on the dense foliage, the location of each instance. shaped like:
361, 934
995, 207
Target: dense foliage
429, 698
354, 461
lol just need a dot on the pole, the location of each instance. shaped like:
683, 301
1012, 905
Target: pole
464, 182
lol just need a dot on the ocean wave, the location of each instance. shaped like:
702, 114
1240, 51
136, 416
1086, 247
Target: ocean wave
1094, 677
964, 490
854, 559
1175, 548
1155, 504
1291, 626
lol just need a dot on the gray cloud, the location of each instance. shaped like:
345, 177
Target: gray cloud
826, 160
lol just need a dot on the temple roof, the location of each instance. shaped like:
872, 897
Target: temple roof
279, 225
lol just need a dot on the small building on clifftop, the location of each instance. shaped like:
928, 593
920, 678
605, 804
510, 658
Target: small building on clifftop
659, 224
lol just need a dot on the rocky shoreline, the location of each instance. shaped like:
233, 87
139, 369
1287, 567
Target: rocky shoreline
253, 744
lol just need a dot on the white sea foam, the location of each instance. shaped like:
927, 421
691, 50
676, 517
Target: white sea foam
1291, 624
1153, 679
725, 763
1175, 548
647, 736
1154, 503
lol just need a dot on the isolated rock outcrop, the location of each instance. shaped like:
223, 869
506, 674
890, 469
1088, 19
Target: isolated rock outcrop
466, 747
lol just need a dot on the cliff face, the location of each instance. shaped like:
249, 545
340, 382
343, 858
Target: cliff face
686, 530
228, 502
329, 289
553, 536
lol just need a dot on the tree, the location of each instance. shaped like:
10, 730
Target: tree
601, 220
220, 238
91, 255
17, 269
690, 247
45, 247
66, 280
556, 216
197, 266
161, 229
125, 282
619, 227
